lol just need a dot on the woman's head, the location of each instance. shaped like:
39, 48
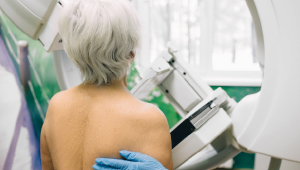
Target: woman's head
99, 37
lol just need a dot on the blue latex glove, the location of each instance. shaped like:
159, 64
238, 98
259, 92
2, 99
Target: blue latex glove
134, 161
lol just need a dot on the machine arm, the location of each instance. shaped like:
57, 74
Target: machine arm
204, 112
36, 18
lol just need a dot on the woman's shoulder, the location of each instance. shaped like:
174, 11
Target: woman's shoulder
150, 112
154, 136
62, 97
59, 98
60, 101
150, 118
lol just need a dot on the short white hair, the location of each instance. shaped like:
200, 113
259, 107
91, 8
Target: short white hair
98, 36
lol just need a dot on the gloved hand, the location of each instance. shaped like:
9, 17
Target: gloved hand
134, 161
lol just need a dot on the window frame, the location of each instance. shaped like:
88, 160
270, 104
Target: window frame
205, 67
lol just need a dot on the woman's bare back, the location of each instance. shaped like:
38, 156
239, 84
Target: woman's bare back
87, 122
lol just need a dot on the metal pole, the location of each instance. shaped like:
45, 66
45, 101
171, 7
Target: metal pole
24, 64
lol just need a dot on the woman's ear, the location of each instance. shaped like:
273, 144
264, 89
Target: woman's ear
132, 56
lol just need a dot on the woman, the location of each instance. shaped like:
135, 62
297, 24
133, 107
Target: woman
100, 117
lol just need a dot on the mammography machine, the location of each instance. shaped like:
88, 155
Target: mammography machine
266, 122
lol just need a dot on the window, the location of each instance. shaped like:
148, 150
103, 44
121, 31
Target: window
215, 37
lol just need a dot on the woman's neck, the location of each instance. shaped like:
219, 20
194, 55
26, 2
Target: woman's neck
117, 85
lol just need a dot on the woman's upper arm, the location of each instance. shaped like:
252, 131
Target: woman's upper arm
158, 139
45, 153
47, 163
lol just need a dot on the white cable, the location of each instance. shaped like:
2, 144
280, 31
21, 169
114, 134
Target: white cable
37, 78
36, 101
12, 51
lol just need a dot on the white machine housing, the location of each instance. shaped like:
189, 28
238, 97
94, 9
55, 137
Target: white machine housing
268, 122
37, 19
